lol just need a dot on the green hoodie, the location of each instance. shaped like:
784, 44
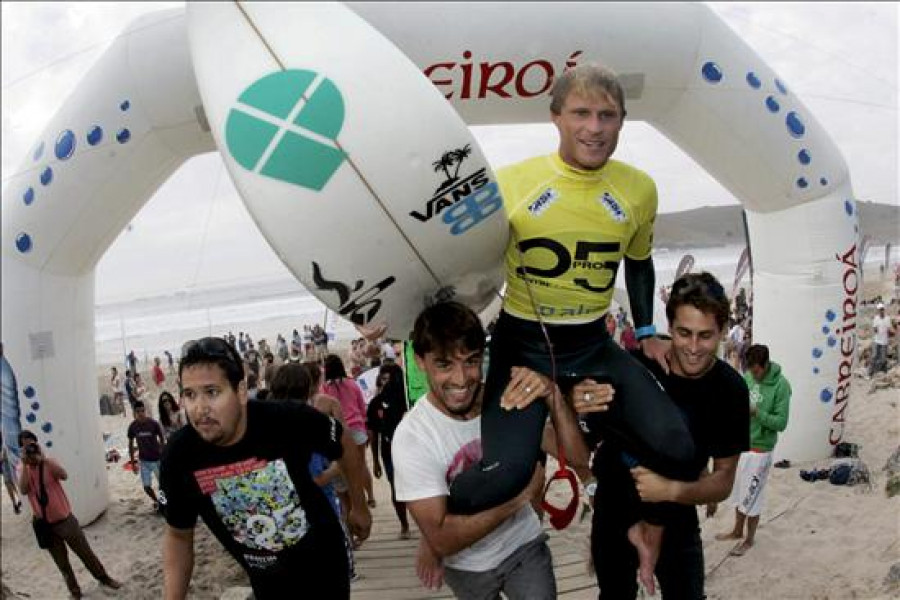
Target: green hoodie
773, 399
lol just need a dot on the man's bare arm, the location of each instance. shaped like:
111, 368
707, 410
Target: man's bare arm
714, 487
359, 520
178, 561
448, 533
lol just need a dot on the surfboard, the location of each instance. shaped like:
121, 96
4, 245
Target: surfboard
364, 180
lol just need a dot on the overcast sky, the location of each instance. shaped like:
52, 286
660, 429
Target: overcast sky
841, 59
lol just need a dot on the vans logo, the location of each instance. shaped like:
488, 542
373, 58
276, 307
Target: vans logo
613, 207
474, 197
543, 202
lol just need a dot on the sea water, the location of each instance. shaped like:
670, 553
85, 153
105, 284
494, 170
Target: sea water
264, 309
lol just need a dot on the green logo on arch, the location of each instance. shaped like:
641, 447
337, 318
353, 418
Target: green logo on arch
284, 127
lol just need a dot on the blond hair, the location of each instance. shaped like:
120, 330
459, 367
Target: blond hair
587, 80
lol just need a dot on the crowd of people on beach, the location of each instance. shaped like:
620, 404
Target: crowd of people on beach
267, 444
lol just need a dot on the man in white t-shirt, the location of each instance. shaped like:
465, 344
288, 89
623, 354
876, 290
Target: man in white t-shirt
499, 549
881, 327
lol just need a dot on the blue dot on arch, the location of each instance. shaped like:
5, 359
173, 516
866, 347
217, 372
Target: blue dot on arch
49, 443
772, 104
817, 353
35, 406
31, 417
826, 330
65, 145
848, 207
47, 427
95, 135
823, 181
28, 196
23, 243
123, 136
753, 81
780, 86
46, 176
28, 391
830, 315
795, 125
826, 395
802, 183
126, 104
815, 370
832, 342
804, 157
38, 152
711, 72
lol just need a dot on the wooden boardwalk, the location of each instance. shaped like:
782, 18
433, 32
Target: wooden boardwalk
387, 564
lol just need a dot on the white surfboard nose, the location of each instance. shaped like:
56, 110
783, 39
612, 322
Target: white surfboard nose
358, 172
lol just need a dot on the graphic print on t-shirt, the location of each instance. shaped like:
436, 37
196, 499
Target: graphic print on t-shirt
257, 502
465, 457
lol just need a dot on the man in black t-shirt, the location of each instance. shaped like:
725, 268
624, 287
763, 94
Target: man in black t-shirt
150, 439
243, 467
713, 398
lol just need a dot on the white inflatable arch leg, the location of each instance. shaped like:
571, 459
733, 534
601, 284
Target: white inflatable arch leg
684, 71
133, 120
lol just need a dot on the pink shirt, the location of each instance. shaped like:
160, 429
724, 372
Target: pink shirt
58, 508
353, 405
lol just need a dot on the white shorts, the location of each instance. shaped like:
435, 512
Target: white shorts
749, 488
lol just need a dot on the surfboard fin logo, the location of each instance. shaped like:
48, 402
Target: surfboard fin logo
358, 307
285, 125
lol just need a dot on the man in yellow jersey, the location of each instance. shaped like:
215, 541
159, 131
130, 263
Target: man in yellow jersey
575, 216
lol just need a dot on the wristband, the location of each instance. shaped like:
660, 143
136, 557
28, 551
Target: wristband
645, 332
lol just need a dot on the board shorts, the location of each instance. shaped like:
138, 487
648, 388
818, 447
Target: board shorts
748, 492
148, 468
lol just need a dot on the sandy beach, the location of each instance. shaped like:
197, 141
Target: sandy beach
815, 540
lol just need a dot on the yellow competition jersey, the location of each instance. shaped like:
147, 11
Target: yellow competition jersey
573, 228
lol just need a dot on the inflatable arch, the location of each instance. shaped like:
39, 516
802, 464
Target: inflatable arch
137, 116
